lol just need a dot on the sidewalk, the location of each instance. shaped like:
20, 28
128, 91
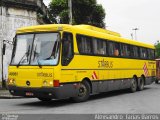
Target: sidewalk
4, 94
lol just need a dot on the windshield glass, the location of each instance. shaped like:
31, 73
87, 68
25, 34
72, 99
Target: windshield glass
36, 49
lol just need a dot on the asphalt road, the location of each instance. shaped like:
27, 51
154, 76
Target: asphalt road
146, 101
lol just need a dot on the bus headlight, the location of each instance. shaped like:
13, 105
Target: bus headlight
48, 83
51, 83
45, 83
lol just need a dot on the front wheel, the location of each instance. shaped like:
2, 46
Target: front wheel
83, 92
133, 87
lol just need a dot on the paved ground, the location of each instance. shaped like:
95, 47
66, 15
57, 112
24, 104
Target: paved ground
146, 101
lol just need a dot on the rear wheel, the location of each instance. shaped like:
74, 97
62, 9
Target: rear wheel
156, 81
141, 84
44, 99
84, 92
133, 87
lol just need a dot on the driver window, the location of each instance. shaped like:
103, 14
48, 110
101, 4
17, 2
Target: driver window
67, 48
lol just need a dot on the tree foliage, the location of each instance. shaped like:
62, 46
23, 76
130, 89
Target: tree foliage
84, 12
157, 46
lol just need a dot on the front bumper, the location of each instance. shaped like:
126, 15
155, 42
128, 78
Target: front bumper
62, 92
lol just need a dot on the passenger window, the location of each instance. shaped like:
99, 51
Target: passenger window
113, 49
143, 53
149, 54
134, 51
84, 44
125, 50
99, 47
152, 53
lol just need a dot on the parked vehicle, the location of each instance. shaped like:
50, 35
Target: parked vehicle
157, 71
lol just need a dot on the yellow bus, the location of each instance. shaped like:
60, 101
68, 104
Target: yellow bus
74, 61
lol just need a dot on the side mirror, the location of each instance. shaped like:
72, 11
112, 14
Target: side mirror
4, 49
13, 40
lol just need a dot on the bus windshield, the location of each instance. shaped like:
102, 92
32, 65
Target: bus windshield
36, 49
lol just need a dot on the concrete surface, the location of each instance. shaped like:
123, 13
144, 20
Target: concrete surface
146, 101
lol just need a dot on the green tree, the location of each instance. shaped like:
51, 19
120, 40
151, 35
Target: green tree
157, 46
84, 12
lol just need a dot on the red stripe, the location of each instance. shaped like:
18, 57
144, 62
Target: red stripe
145, 70
95, 74
92, 77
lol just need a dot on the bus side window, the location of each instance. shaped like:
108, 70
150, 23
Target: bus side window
113, 48
152, 54
135, 51
116, 49
143, 53
110, 48
126, 50
67, 48
123, 50
84, 44
99, 46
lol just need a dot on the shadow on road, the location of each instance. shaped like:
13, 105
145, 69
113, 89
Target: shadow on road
113, 93
64, 102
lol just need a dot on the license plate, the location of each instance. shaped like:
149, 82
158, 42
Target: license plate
29, 94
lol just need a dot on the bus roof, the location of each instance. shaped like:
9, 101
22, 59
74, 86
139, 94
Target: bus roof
84, 30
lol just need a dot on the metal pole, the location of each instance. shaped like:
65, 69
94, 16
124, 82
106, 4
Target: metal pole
10, 43
3, 81
70, 11
135, 29
132, 36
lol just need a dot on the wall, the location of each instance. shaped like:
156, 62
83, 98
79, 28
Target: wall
10, 19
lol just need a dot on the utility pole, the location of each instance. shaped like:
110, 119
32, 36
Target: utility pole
70, 11
135, 29
4, 42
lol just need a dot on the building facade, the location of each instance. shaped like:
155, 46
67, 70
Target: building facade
15, 14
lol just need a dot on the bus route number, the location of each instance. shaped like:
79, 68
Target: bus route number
105, 64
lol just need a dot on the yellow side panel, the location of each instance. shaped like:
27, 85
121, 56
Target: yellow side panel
105, 68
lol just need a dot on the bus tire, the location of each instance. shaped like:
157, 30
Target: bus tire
133, 87
44, 99
156, 81
84, 92
141, 84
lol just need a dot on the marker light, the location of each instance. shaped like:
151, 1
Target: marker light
56, 83
44, 83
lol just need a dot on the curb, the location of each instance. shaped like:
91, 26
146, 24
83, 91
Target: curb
10, 97
4, 94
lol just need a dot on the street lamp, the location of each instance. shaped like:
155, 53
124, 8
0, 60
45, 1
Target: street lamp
132, 36
135, 29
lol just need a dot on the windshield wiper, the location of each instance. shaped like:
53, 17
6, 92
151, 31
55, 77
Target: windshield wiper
25, 55
35, 55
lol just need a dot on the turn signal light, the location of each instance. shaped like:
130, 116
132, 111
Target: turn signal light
11, 81
56, 83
